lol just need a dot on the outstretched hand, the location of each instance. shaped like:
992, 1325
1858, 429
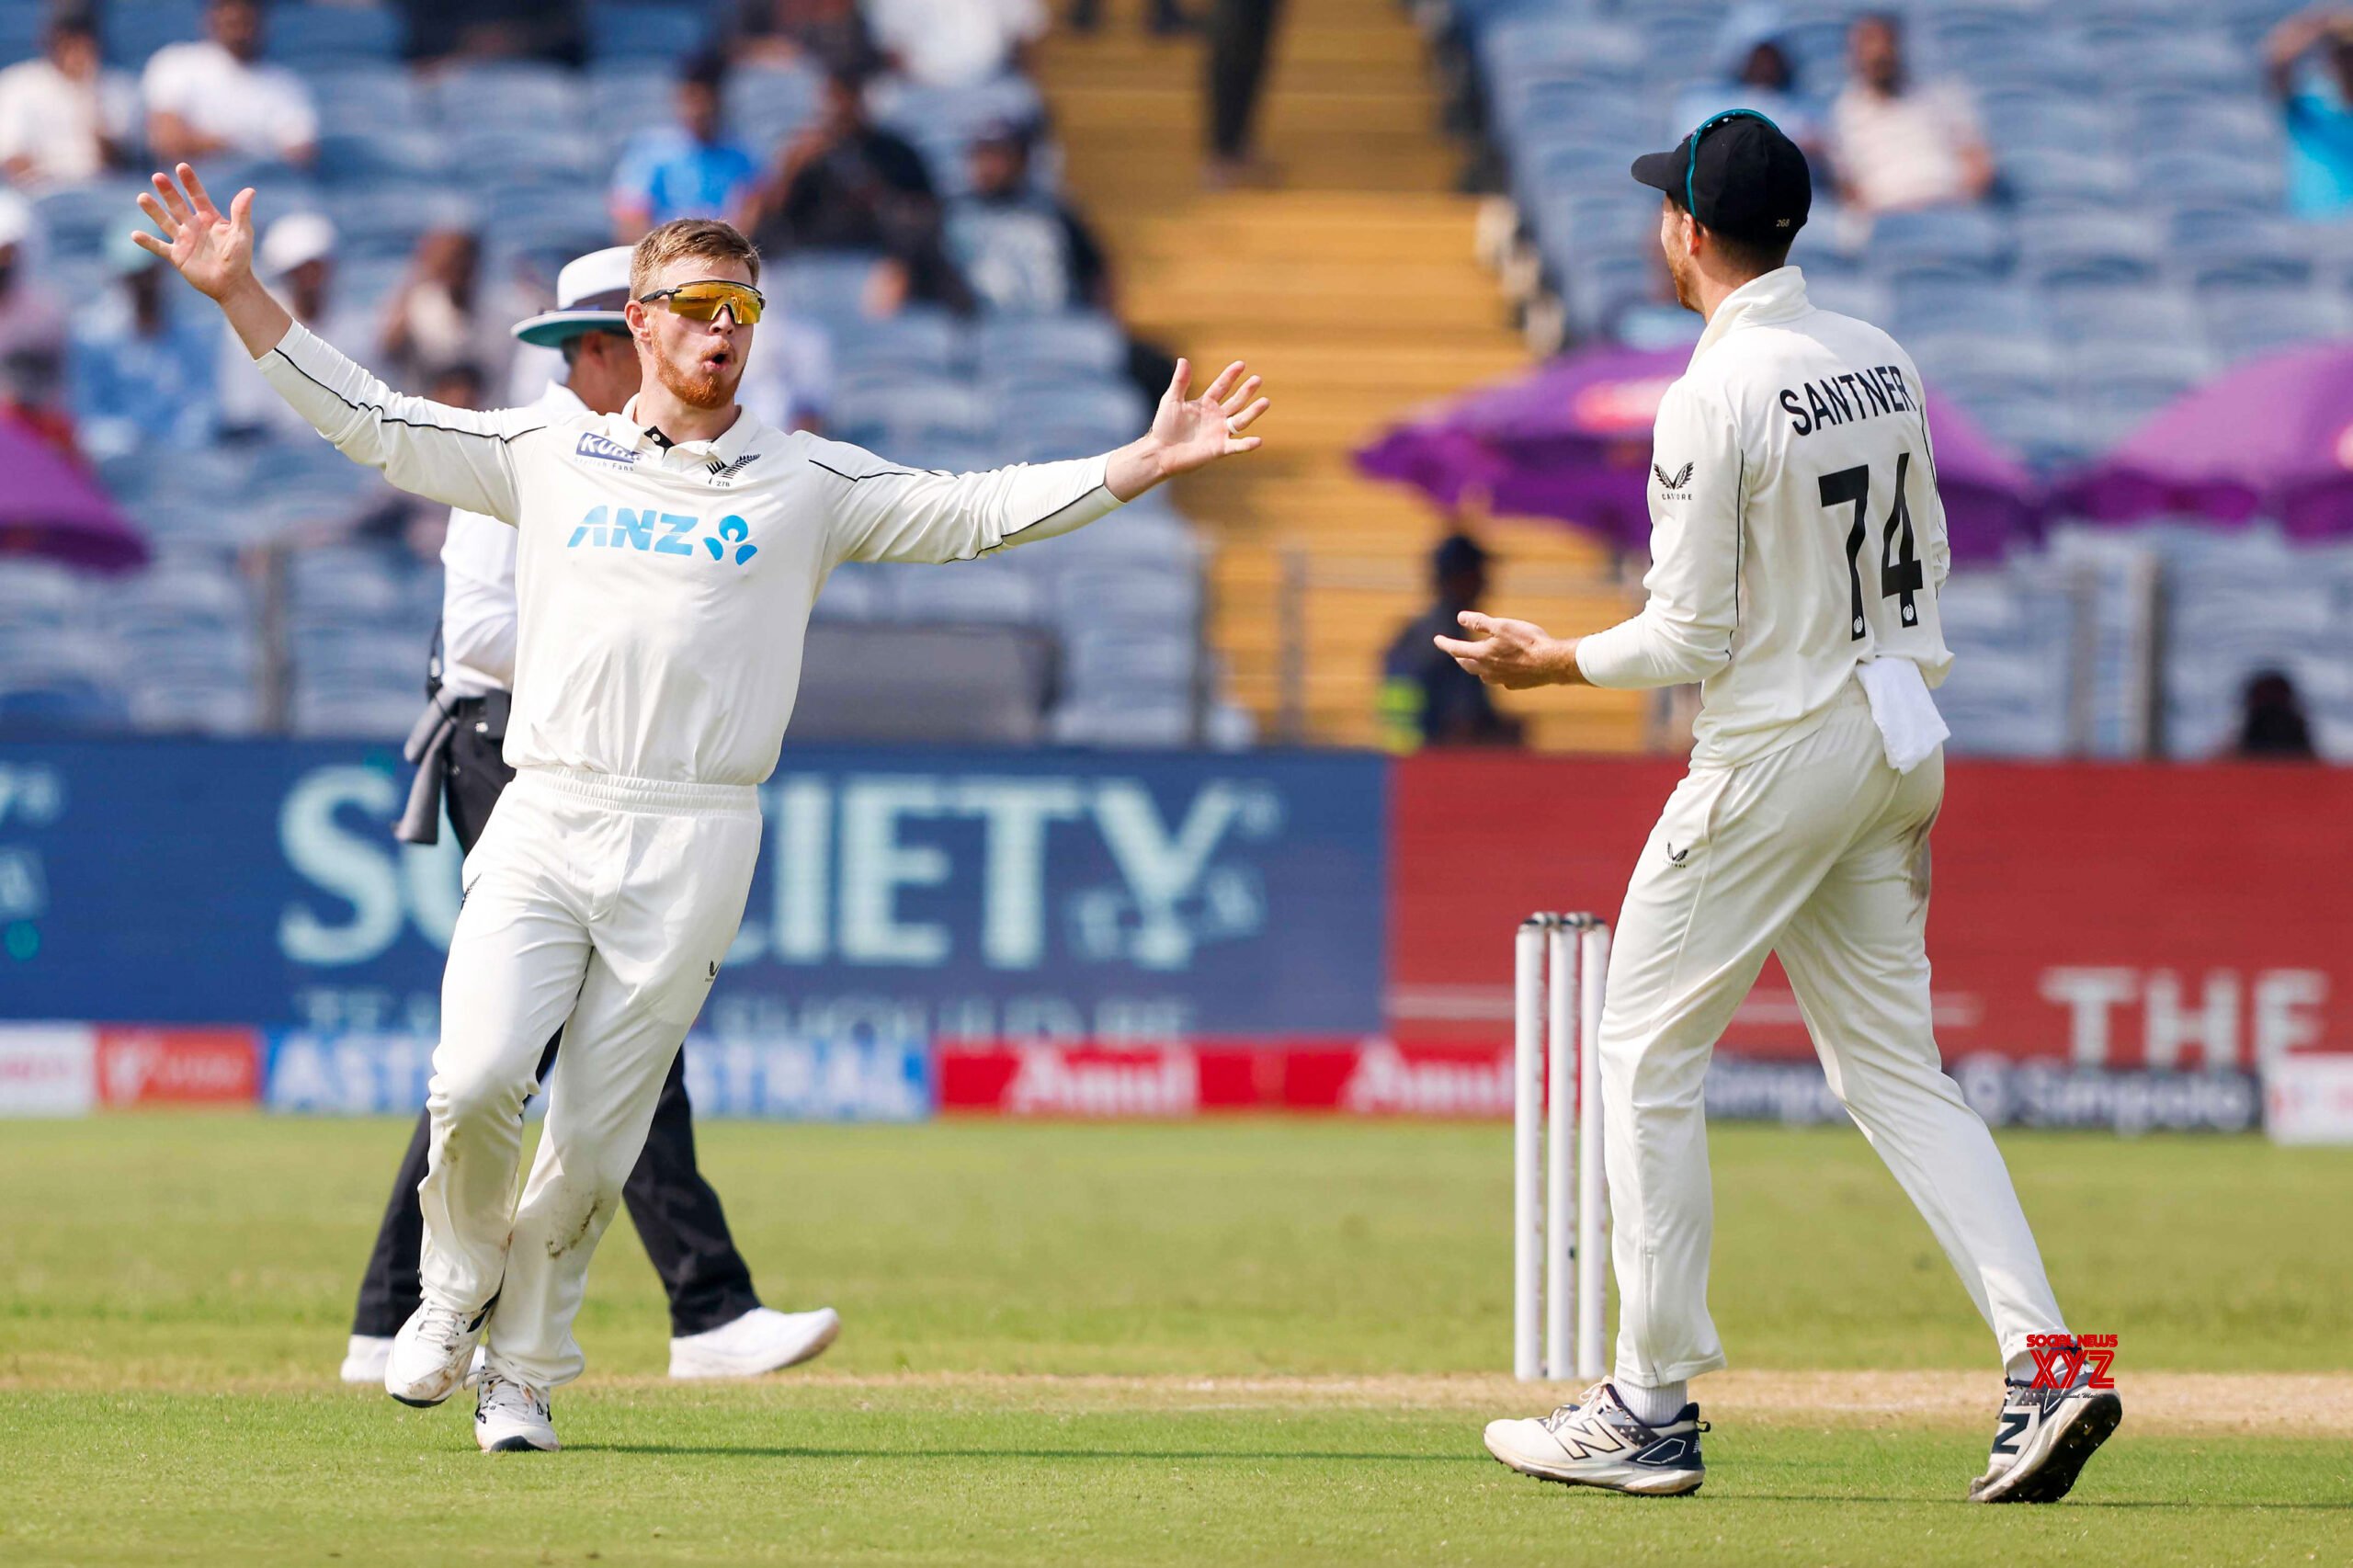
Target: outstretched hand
1514, 655
1192, 432
214, 252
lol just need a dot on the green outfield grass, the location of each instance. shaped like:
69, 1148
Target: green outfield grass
1031, 1309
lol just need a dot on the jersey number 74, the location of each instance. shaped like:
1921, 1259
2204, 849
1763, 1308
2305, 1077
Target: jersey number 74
1899, 565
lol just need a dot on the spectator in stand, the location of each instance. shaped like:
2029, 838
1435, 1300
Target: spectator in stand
829, 34
1241, 34
956, 43
845, 183
143, 372
64, 118
444, 32
1427, 699
686, 170
1018, 248
215, 96
2272, 725
2309, 61
436, 320
1753, 71
297, 258
32, 333
1898, 143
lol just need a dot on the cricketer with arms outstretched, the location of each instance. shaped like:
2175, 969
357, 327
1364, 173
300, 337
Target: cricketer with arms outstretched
666, 560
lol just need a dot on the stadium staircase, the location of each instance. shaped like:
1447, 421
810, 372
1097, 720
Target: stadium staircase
1352, 284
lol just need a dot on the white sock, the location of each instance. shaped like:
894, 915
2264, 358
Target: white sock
1654, 1407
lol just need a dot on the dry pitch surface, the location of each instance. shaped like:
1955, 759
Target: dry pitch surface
1238, 1342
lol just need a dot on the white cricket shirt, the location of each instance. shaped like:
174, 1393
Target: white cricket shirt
478, 585
664, 591
1795, 527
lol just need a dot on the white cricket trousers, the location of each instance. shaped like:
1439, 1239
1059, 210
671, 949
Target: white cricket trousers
1818, 852
604, 906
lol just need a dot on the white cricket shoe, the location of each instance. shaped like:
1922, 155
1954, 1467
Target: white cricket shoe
430, 1354
1597, 1442
762, 1340
2041, 1438
364, 1359
512, 1417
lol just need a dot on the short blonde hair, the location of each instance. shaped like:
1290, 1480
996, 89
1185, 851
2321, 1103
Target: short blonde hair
705, 238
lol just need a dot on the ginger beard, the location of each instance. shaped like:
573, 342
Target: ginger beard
700, 368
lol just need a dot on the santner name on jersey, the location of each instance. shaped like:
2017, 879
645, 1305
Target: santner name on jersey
1854, 395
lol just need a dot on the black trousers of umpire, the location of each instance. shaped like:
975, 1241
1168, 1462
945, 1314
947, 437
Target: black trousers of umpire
677, 1214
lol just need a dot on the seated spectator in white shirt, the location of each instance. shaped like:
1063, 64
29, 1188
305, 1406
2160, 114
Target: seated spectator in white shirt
955, 44
1898, 144
142, 362
63, 119
297, 260
215, 96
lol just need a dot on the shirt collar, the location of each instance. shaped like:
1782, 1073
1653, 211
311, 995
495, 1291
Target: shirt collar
1778, 296
726, 447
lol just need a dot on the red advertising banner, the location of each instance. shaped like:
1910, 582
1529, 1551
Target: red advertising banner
2108, 916
151, 1066
1350, 1077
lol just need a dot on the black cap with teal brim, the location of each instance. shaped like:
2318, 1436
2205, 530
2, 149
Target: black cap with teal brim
1738, 175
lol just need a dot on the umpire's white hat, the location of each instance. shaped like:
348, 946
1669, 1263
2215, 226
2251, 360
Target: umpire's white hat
590, 294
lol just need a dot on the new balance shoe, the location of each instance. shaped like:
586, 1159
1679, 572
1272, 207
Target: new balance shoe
1598, 1442
2042, 1439
512, 1417
762, 1340
430, 1354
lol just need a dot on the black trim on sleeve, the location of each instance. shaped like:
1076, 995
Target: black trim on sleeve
389, 417
878, 473
1087, 494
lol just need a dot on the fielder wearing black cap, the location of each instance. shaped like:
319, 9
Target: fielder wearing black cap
1739, 176
1798, 547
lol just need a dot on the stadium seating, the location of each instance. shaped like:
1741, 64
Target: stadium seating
2139, 245
531, 145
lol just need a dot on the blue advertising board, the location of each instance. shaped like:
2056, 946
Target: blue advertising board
904, 897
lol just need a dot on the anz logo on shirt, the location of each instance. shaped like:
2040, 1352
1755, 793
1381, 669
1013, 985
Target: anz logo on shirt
664, 533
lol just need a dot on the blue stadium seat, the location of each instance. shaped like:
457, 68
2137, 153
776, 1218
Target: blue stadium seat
876, 412
828, 286
360, 99
1080, 342
2113, 314
918, 340
308, 35
135, 30
631, 32
990, 592
2243, 322
511, 94
391, 151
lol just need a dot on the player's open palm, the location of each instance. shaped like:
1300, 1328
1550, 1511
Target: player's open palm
1195, 431
212, 250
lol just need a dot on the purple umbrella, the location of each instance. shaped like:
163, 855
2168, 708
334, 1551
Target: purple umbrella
50, 508
2272, 437
1573, 440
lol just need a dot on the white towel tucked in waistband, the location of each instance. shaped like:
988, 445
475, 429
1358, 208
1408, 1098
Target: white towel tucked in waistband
1910, 728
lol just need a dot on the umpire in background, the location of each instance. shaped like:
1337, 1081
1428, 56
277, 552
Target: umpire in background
718, 1327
